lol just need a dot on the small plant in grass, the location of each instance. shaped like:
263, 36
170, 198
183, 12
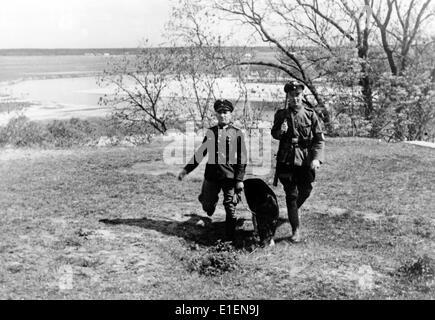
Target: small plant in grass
423, 227
421, 270
217, 260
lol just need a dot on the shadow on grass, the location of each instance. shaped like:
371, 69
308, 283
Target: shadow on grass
198, 229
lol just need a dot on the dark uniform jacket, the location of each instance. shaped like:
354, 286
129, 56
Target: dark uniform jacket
227, 156
304, 140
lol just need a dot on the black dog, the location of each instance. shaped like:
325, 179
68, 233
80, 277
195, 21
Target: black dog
264, 205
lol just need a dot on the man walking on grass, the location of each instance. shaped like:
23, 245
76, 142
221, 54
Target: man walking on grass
300, 153
225, 169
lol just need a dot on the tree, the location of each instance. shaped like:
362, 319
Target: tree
205, 61
139, 82
329, 25
197, 85
405, 106
202, 58
326, 26
248, 13
386, 17
404, 93
406, 102
400, 28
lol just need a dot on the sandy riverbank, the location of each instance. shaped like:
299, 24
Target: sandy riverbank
63, 98
55, 112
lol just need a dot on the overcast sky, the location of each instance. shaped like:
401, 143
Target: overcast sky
81, 23
85, 23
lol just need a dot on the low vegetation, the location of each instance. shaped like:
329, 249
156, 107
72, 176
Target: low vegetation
219, 259
74, 132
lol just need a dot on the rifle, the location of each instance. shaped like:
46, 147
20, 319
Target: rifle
275, 177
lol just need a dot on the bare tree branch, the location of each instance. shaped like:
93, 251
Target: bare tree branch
315, 8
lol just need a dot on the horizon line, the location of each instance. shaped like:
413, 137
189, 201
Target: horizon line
101, 48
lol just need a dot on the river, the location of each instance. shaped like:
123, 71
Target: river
60, 87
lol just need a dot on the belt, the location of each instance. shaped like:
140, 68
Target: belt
297, 144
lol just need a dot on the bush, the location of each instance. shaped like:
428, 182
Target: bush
420, 271
21, 132
115, 126
422, 268
404, 106
70, 132
217, 260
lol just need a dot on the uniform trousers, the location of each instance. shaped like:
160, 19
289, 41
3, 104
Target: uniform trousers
209, 198
298, 184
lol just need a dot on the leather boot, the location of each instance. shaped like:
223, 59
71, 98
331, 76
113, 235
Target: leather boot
230, 229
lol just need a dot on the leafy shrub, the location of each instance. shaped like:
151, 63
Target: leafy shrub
68, 133
115, 126
404, 106
422, 269
217, 260
21, 132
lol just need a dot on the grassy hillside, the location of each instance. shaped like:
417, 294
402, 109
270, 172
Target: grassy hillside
368, 228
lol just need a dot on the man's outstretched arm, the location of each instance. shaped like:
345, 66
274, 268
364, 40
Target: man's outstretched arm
194, 162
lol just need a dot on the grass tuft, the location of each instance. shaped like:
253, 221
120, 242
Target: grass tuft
219, 259
422, 269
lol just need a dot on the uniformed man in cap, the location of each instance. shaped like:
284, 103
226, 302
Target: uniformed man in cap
225, 169
300, 153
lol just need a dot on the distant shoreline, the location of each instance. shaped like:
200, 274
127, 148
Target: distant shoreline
67, 52
89, 51
51, 75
